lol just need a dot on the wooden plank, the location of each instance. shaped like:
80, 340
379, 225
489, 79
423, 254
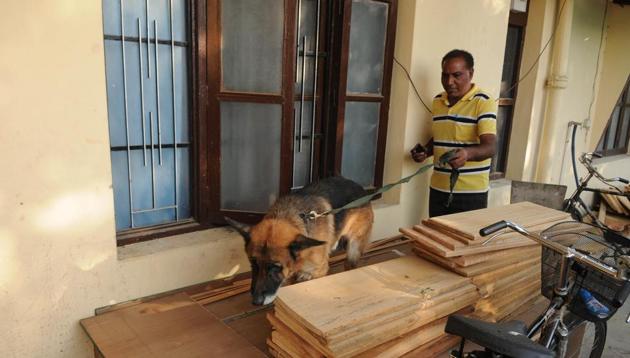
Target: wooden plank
625, 202
395, 348
293, 338
440, 250
490, 288
601, 215
469, 260
613, 203
495, 307
493, 276
172, 326
395, 318
482, 267
344, 300
435, 348
412, 340
439, 237
369, 339
467, 224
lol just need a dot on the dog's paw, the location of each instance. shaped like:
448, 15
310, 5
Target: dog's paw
303, 276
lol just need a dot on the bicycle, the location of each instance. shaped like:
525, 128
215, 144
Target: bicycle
575, 205
576, 257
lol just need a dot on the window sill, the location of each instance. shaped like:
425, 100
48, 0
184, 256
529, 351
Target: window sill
610, 158
196, 238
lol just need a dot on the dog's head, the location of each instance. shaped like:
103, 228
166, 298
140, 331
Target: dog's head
274, 248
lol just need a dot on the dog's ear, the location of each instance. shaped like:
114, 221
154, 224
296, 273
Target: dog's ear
242, 229
302, 242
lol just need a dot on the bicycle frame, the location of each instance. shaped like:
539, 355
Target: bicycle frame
575, 200
551, 320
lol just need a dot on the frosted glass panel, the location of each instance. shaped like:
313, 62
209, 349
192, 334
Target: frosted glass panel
250, 155
360, 133
252, 45
368, 29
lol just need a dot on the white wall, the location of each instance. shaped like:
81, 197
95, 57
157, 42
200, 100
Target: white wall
591, 91
58, 256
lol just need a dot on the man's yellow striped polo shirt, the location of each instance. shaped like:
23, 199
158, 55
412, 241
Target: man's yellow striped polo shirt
460, 126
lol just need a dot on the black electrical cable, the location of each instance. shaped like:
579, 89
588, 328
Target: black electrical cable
413, 85
575, 174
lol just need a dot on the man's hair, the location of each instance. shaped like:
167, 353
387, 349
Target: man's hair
465, 55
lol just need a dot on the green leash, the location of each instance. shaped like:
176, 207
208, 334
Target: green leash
444, 161
364, 199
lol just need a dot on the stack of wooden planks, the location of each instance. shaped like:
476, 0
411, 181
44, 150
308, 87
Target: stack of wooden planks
506, 270
617, 204
386, 310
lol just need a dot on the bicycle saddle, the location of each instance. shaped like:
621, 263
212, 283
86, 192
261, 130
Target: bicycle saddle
509, 338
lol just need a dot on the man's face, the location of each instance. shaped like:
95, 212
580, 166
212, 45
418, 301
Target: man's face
456, 77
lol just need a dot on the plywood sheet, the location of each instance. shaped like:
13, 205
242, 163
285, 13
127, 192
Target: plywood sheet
365, 340
340, 301
468, 224
482, 267
173, 326
468, 260
511, 241
288, 341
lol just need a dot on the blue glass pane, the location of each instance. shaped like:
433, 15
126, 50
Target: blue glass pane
136, 91
154, 217
143, 180
134, 9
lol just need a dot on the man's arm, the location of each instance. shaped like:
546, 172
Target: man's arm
486, 149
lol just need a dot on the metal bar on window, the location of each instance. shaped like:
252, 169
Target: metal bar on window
310, 172
148, 39
124, 68
135, 147
144, 143
297, 36
157, 91
154, 209
144, 39
152, 161
302, 92
170, 4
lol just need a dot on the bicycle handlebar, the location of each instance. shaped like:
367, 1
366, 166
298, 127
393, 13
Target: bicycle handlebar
491, 229
561, 249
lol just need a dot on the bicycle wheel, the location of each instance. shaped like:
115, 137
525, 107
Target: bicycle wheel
599, 339
593, 338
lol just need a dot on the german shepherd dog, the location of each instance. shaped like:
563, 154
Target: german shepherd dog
284, 248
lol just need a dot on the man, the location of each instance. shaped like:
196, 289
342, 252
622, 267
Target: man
464, 119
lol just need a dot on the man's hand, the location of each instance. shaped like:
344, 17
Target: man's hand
460, 158
419, 153
419, 157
